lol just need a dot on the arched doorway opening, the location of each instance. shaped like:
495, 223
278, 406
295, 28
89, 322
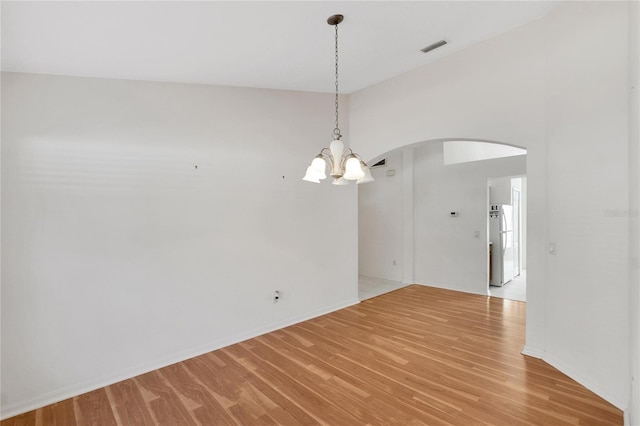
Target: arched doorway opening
425, 219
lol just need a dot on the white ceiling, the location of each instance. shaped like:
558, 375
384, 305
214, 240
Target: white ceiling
280, 45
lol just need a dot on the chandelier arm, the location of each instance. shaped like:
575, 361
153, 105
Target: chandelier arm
358, 156
328, 154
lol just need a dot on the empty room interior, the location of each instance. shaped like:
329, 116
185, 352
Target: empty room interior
320, 212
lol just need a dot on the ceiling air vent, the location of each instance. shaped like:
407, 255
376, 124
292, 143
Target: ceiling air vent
433, 46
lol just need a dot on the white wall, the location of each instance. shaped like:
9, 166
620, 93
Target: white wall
120, 256
380, 222
465, 151
500, 190
1, 402
447, 253
634, 208
556, 86
588, 277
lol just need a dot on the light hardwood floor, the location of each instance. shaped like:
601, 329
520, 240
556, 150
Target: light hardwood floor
415, 356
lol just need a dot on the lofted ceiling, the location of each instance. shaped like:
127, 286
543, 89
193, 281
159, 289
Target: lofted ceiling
266, 44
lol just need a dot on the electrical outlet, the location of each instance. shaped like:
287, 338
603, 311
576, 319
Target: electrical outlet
276, 296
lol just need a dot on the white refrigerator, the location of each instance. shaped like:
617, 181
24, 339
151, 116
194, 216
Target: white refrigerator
501, 237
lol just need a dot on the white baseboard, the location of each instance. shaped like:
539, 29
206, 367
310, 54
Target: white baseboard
574, 374
533, 352
585, 381
66, 392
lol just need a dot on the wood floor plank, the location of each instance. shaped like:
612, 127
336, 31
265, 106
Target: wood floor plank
286, 410
350, 386
167, 408
59, 414
208, 411
128, 403
94, 409
416, 356
315, 403
26, 419
355, 403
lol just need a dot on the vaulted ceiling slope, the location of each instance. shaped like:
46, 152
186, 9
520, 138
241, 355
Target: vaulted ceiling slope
265, 44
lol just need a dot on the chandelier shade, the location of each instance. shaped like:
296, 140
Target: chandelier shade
310, 177
367, 174
344, 164
316, 171
353, 171
319, 166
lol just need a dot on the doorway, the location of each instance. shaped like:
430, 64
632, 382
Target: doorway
507, 237
424, 218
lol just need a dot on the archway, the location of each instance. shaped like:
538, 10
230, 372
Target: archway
426, 222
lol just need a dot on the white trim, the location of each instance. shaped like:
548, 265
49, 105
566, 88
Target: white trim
533, 352
574, 374
585, 381
106, 380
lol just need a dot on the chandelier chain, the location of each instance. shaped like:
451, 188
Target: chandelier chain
337, 122
344, 164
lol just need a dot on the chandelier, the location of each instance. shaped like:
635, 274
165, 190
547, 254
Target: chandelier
344, 164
